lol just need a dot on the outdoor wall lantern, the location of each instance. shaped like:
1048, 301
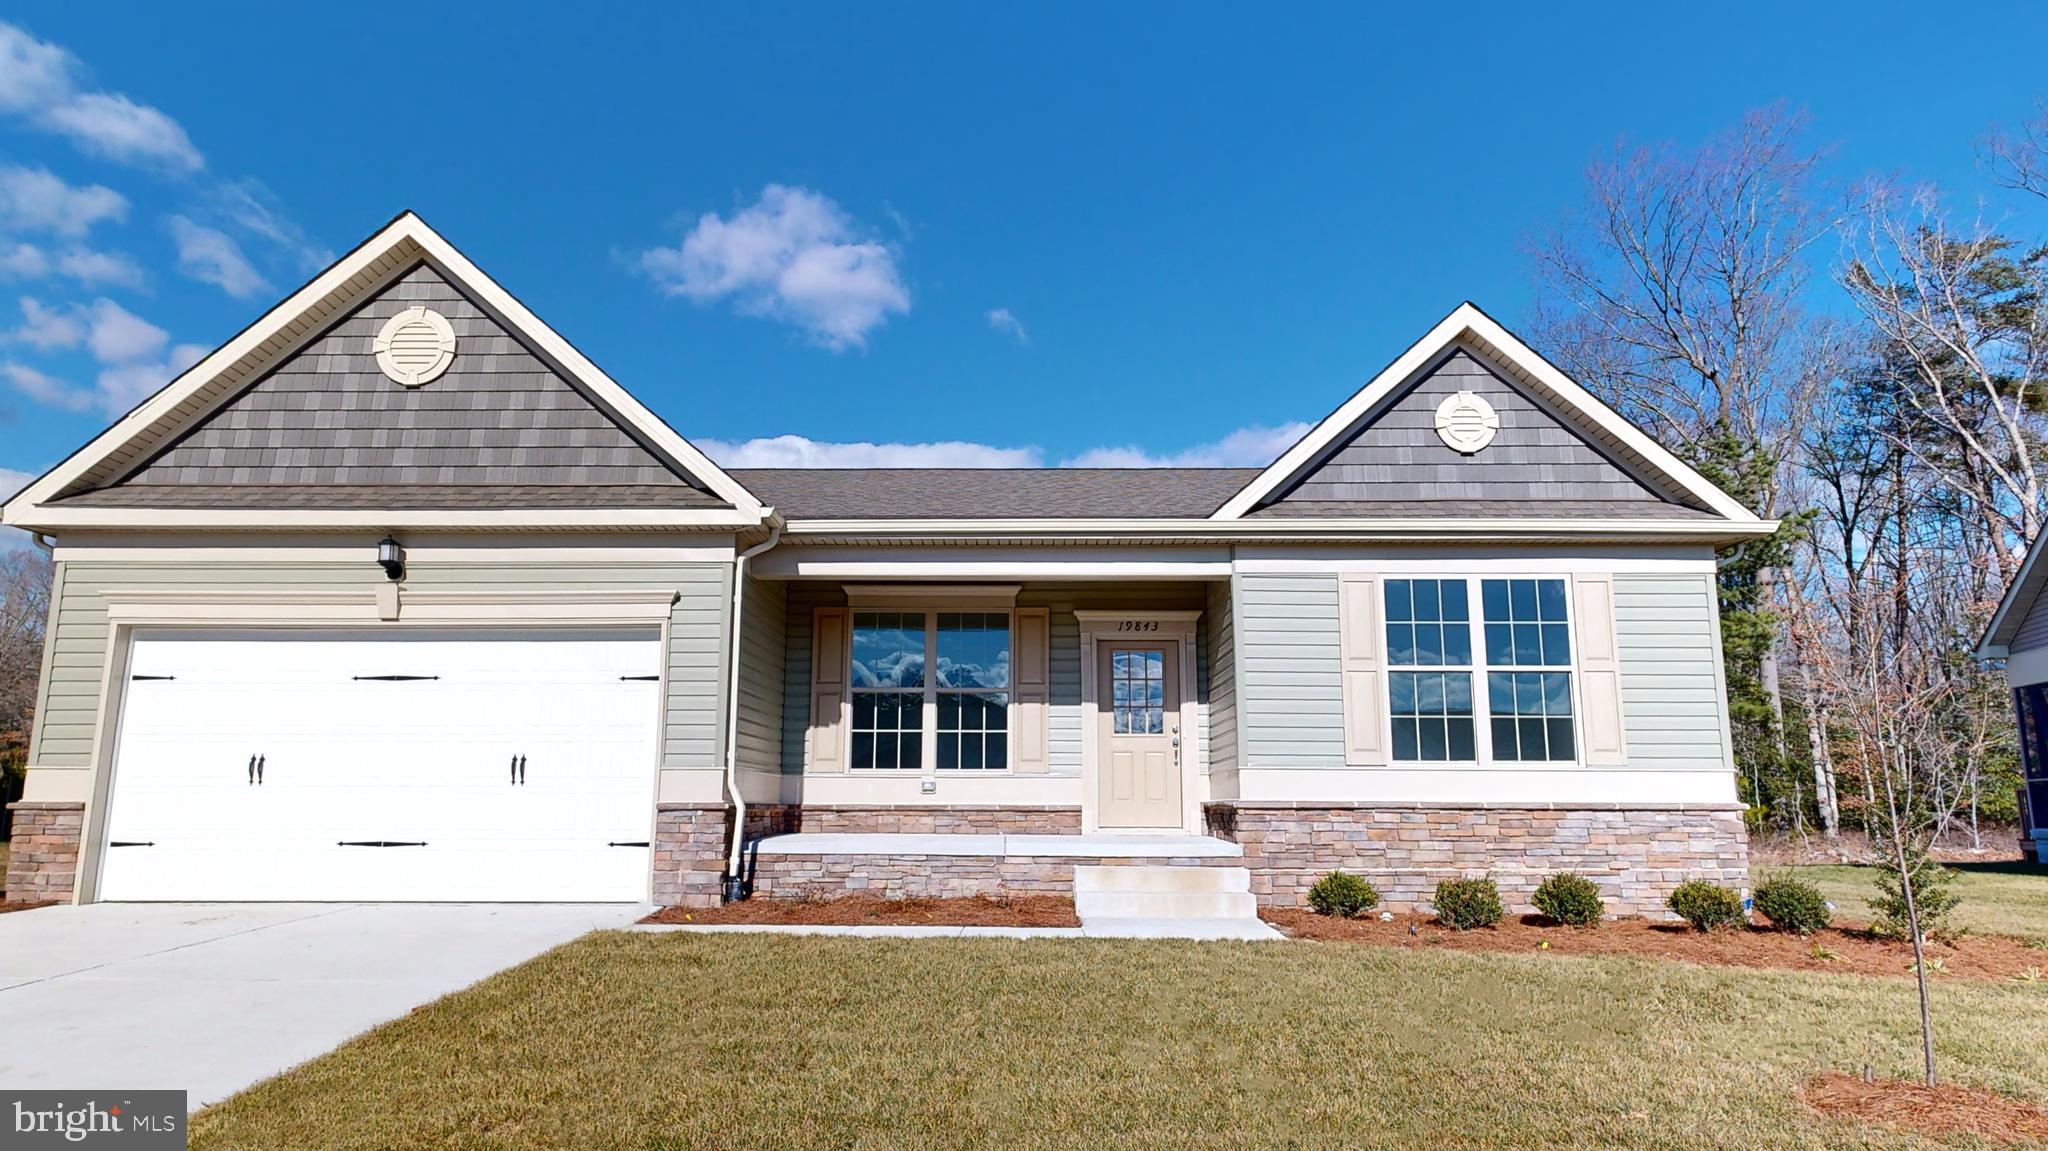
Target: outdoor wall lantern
391, 558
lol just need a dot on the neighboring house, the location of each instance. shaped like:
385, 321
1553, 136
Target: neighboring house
2018, 634
397, 596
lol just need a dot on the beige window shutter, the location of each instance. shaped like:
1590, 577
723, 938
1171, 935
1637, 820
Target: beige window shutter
829, 721
1358, 645
1600, 728
1032, 668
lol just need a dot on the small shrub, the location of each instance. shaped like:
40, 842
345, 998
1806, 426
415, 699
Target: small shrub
1570, 899
1934, 895
1467, 903
1344, 896
1706, 905
1791, 904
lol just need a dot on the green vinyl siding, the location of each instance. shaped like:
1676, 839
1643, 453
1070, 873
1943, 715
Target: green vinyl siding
69, 707
1291, 713
1671, 704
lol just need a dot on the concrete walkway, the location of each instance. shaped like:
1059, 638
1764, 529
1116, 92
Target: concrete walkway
211, 998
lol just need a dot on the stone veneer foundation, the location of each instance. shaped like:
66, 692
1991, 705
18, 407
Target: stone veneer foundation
1636, 853
958, 820
940, 876
42, 858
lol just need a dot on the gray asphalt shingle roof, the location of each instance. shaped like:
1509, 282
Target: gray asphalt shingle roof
437, 497
994, 493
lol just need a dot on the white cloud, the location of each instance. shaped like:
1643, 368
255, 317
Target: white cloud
32, 74
211, 256
46, 329
1002, 320
1249, 447
793, 255
123, 386
23, 261
97, 269
118, 336
44, 89
37, 200
252, 207
45, 389
799, 452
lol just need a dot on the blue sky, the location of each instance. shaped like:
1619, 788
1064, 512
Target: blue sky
1147, 233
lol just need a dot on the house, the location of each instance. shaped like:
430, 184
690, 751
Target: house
2018, 634
397, 596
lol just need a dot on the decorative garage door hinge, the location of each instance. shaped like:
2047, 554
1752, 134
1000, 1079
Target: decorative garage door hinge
627, 843
380, 843
131, 843
393, 678
151, 677
641, 678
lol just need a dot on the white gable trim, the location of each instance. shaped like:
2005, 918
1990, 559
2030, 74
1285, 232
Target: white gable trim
2013, 607
285, 327
1468, 322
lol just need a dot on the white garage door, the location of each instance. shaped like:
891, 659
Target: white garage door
422, 766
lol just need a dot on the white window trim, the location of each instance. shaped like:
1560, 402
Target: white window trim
913, 599
1482, 706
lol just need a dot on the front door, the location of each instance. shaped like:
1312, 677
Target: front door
1140, 736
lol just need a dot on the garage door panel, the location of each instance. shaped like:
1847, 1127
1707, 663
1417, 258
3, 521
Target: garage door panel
354, 757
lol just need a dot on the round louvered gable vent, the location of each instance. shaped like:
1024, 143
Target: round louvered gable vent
1466, 422
415, 346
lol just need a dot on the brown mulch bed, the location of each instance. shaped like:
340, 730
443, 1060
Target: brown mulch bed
1839, 950
26, 905
1942, 1110
857, 910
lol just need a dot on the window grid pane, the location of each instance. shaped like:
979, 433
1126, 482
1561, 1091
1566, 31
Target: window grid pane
974, 731
1532, 715
888, 682
1428, 623
1525, 623
1137, 686
1432, 713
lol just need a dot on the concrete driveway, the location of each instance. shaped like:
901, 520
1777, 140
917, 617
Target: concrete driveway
213, 997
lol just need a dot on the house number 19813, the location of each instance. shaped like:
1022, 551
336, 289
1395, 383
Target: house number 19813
1138, 625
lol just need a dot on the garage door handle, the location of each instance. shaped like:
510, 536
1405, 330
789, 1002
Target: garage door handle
379, 843
519, 771
256, 770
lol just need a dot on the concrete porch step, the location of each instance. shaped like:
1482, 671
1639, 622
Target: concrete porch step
1151, 892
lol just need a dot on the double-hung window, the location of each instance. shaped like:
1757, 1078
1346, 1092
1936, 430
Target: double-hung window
1524, 633
1429, 650
1530, 705
930, 680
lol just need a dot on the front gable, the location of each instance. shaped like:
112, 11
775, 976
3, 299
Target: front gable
1559, 453
1394, 462
295, 423
326, 426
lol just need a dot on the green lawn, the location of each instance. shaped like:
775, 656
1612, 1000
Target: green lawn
748, 1041
1998, 898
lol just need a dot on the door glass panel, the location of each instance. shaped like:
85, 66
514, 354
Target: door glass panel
1138, 692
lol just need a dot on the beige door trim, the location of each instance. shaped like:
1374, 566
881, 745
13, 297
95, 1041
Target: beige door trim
1165, 627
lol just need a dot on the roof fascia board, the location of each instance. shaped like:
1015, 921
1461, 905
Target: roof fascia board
2013, 606
406, 229
1696, 529
1463, 320
45, 519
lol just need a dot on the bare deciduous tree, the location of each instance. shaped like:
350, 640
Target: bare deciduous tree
24, 610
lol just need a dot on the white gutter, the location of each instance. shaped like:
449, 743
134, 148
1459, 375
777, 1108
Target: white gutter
1433, 529
732, 702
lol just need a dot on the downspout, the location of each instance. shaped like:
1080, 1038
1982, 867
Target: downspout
735, 885
45, 544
